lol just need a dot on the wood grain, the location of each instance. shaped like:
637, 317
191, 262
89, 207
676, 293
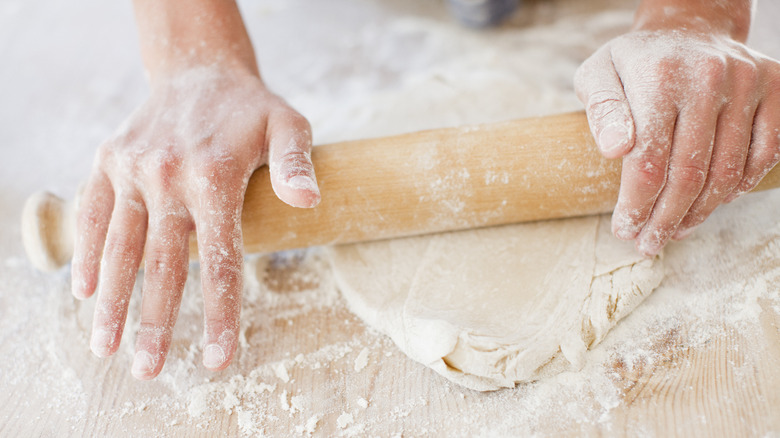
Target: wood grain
53, 387
727, 388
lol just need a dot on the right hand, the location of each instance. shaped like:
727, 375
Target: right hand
692, 113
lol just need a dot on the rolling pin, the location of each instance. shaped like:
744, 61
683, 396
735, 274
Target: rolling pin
423, 182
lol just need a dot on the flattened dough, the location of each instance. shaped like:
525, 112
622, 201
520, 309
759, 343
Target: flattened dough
492, 307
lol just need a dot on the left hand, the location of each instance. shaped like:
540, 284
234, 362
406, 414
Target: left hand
695, 116
182, 163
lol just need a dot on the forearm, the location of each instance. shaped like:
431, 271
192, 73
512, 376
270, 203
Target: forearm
731, 17
179, 35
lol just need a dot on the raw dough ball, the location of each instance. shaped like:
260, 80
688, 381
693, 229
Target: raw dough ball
492, 307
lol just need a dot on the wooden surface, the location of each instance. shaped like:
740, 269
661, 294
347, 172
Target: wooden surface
699, 358
725, 385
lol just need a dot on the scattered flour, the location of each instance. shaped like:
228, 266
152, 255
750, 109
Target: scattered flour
310, 427
361, 361
281, 372
294, 324
344, 420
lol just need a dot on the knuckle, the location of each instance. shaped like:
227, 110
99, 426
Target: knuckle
162, 264
164, 166
90, 218
746, 72
727, 176
300, 122
664, 70
714, 67
224, 325
297, 160
298, 127
688, 178
710, 73
118, 247
221, 171
603, 104
293, 118
154, 328
588, 75
650, 174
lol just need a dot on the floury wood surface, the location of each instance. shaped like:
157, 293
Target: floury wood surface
417, 183
70, 86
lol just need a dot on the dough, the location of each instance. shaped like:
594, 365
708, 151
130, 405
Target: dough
492, 307
489, 308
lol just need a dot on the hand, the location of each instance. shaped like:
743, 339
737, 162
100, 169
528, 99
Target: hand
181, 163
695, 116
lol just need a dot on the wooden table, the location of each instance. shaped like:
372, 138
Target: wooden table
698, 358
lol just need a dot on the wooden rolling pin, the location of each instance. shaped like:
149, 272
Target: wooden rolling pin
423, 182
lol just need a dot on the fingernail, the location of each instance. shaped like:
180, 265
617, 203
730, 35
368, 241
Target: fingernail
143, 364
612, 137
101, 342
303, 182
624, 233
213, 356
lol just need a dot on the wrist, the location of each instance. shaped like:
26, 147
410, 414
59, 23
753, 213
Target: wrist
730, 19
174, 66
177, 37
196, 78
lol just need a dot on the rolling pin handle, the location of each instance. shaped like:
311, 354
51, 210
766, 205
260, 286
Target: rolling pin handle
47, 231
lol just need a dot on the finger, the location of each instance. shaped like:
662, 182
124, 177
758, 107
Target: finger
92, 219
121, 257
764, 153
689, 162
289, 160
221, 251
601, 91
729, 156
644, 168
165, 273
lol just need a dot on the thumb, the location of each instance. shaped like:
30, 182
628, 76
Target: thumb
289, 160
601, 91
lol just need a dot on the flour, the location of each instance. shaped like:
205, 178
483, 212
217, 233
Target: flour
350, 67
361, 360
